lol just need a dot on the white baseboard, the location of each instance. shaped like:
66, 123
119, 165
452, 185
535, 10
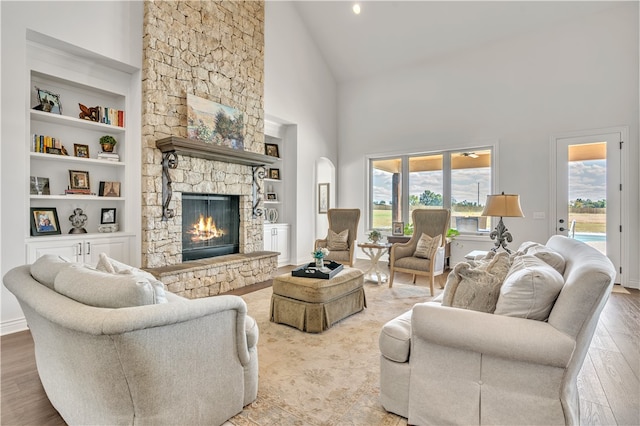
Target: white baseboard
13, 326
634, 284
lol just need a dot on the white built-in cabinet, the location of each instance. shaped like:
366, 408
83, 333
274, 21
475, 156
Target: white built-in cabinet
91, 82
84, 250
276, 238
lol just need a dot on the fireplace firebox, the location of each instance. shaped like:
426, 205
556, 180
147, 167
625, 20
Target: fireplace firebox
210, 225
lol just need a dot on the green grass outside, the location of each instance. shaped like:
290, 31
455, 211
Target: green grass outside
584, 222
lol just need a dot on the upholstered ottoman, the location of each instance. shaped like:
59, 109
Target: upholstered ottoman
313, 304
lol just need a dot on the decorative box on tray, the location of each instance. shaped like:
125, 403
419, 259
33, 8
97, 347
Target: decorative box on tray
309, 270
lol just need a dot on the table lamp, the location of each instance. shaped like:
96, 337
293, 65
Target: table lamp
502, 205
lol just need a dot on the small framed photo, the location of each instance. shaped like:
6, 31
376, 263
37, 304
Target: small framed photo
52, 150
272, 196
397, 228
109, 189
49, 101
79, 179
39, 186
81, 150
108, 216
274, 174
44, 221
323, 198
271, 149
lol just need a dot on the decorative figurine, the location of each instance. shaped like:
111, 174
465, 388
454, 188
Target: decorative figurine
78, 220
88, 113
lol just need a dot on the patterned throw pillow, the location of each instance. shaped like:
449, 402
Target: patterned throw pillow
477, 287
338, 241
427, 245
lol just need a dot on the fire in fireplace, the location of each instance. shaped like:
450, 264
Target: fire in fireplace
210, 225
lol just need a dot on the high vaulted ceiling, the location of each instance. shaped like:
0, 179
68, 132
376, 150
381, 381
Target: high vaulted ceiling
389, 35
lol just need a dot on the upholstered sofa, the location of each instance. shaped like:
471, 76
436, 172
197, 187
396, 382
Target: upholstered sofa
447, 365
154, 358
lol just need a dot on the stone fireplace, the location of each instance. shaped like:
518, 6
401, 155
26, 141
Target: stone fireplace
216, 178
213, 50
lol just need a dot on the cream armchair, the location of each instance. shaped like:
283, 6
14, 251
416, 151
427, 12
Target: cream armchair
339, 220
432, 222
180, 362
444, 365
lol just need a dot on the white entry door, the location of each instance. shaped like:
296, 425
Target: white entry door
588, 191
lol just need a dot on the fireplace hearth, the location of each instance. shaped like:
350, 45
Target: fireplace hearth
210, 225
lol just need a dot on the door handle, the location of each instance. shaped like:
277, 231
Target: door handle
88, 248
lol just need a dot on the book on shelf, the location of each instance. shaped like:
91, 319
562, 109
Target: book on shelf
111, 116
43, 143
78, 192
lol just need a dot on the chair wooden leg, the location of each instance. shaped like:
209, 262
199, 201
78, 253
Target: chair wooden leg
391, 278
441, 281
414, 278
431, 284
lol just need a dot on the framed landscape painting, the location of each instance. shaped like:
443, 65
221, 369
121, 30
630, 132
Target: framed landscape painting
214, 123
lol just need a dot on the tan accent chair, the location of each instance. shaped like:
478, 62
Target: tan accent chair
339, 220
432, 222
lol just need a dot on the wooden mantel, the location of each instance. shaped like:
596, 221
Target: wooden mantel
173, 146
193, 148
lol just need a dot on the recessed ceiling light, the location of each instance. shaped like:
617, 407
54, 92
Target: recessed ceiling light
356, 9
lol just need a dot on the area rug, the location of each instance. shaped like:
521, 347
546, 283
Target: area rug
331, 378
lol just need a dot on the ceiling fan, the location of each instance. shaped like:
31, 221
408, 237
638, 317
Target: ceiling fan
470, 154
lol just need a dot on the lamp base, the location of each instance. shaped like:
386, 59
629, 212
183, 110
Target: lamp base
502, 236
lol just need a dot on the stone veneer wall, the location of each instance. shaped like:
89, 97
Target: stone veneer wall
214, 50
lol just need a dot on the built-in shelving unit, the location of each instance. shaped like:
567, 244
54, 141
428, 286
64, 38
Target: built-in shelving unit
277, 230
58, 73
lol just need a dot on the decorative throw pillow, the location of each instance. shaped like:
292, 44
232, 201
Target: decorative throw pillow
46, 268
112, 266
530, 289
542, 252
104, 290
427, 245
476, 288
338, 241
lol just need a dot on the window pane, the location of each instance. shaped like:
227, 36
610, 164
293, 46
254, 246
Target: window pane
426, 187
470, 185
386, 182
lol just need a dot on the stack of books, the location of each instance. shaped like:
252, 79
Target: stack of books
109, 156
78, 192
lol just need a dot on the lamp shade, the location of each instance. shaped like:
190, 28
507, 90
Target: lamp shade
503, 205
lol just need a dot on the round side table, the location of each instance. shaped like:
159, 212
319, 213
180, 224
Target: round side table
375, 251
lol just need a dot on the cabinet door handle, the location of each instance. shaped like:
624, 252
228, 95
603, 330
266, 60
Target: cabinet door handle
88, 248
79, 249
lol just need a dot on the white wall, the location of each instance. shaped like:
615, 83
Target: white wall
575, 76
106, 28
300, 89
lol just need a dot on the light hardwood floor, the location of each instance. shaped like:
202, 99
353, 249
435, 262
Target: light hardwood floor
609, 381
